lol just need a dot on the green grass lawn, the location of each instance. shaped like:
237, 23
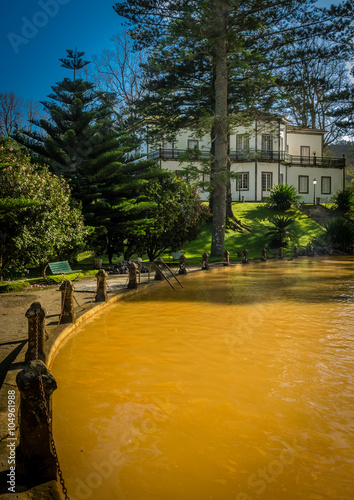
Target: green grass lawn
257, 216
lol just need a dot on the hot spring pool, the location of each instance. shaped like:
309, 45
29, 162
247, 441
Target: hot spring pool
237, 387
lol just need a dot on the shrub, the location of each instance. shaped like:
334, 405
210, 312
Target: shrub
38, 219
339, 233
343, 199
283, 196
280, 234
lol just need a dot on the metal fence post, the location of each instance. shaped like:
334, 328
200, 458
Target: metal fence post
182, 265
67, 301
35, 460
205, 262
36, 332
133, 275
101, 293
226, 261
159, 273
264, 255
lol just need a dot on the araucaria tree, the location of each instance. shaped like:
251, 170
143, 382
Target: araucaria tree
83, 143
229, 36
38, 219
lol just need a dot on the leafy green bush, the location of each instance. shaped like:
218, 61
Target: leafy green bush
280, 234
344, 199
282, 197
339, 233
38, 219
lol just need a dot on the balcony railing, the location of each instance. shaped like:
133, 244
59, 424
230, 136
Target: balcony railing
251, 156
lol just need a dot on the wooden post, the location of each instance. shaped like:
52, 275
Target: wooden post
245, 256
182, 265
205, 262
67, 302
133, 275
264, 255
35, 461
226, 261
36, 332
101, 294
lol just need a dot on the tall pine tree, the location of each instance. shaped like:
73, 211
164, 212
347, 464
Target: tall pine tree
221, 29
81, 143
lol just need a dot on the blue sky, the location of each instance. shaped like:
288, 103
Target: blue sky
32, 41
35, 34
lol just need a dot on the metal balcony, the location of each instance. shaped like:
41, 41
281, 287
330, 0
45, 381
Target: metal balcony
251, 155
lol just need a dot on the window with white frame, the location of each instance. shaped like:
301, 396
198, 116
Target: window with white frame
267, 181
325, 185
242, 142
267, 142
303, 184
192, 144
305, 151
242, 181
168, 144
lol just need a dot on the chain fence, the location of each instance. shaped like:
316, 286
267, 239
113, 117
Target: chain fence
45, 405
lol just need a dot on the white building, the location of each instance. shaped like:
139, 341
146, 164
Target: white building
263, 155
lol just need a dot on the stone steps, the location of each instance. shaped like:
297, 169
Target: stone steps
318, 213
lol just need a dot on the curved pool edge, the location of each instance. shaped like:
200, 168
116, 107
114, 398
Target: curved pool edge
57, 336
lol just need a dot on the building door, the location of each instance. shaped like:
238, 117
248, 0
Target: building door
168, 149
267, 183
267, 146
305, 154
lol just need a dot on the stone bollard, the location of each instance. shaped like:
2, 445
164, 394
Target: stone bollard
245, 256
35, 461
101, 294
264, 255
158, 266
310, 251
133, 275
296, 253
280, 253
36, 332
226, 261
205, 262
67, 302
182, 265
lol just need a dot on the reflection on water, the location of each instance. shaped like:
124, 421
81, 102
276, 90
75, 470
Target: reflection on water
237, 387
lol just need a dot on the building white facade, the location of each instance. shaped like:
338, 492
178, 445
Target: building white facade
264, 154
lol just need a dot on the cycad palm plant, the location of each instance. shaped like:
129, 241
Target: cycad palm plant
281, 233
283, 196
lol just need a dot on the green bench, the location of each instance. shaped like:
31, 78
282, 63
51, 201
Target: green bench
62, 267
176, 255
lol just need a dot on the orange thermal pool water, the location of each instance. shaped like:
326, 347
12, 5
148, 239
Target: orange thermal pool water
237, 387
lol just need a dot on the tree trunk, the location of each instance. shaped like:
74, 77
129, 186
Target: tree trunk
212, 155
219, 167
110, 252
229, 212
